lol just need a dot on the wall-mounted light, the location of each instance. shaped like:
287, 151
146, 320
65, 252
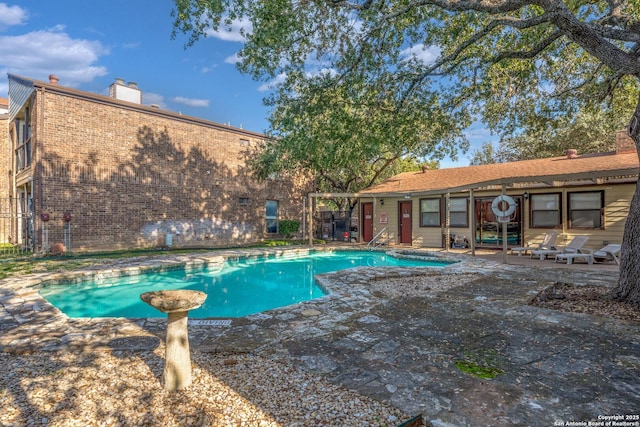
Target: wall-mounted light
407, 196
525, 195
381, 202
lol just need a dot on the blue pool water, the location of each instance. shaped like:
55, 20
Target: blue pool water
237, 289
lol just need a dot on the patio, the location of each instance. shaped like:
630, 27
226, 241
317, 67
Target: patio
389, 336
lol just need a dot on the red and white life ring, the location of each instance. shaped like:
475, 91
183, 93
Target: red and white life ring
497, 206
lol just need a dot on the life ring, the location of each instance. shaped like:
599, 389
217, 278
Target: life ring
511, 205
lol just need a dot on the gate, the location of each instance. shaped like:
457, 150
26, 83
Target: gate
336, 225
16, 225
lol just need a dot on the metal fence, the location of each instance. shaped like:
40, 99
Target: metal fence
16, 226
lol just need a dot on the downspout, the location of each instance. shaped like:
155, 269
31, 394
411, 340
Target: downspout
37, 157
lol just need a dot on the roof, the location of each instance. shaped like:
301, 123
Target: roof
129, 105
584, 167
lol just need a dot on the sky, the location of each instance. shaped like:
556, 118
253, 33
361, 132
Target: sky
88, 44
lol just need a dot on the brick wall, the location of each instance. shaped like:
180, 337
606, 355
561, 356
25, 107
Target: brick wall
128, 177
624, 143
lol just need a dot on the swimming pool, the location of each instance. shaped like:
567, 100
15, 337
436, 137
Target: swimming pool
235, 289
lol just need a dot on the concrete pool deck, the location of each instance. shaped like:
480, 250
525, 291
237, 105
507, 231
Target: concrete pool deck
401, 348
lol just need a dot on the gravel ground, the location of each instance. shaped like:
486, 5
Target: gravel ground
124, 389
585, 299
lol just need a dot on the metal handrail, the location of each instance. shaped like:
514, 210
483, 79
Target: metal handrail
375, 242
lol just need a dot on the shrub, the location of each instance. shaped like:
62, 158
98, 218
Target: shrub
287, 227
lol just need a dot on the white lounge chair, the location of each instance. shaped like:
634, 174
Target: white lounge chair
570, 257
573, 247
610, 252
548, 242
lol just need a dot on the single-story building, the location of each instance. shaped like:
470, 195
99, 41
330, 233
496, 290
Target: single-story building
577, 194
102, 172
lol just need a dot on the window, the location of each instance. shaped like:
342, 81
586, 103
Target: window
458, 216
244, 142
545, 210
23, 141
244, 201
586, 209
272, 216
429, 212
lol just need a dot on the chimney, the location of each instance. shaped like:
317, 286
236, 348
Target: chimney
572, 153
425, 168
624, 143
128, 92
53, 79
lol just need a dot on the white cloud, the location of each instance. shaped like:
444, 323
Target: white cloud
191, 102
150, 98
233, 59
427, 55
39, 53
233, 32
280, 78
206, 70
322, 72
11, 15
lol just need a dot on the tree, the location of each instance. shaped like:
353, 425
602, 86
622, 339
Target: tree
488, 154
349, 135
592, 130
505, 60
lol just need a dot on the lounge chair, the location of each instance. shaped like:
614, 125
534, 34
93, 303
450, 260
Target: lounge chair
573, 247
608, 253
548, 242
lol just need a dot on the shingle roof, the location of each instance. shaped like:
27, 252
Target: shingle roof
129, 105
587, 166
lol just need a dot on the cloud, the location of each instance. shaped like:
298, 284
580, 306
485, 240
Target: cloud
205, 70
280, 78
233, 32
322, 72
426, 55
39, 53
233, 59
11, 15
191, 102
150, 98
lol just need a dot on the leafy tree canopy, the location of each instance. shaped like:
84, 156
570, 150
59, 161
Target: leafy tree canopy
509, 62
481, 52
592, 130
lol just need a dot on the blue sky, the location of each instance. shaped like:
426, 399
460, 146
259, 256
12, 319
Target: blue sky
87, 44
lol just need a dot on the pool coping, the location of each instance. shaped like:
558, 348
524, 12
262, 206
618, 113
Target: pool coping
30, 323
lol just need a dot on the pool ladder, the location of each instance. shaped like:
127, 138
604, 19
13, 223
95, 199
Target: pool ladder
377, 241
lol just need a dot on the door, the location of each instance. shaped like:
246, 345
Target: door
404, 222
367, 222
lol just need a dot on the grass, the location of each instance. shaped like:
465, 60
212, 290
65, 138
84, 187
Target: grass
28, 264
480, 363
486, 372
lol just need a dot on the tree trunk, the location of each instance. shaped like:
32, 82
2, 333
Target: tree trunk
628, 289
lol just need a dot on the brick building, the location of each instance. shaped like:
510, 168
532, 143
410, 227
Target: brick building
127, 174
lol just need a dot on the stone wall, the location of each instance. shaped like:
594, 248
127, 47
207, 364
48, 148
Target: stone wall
130, 174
